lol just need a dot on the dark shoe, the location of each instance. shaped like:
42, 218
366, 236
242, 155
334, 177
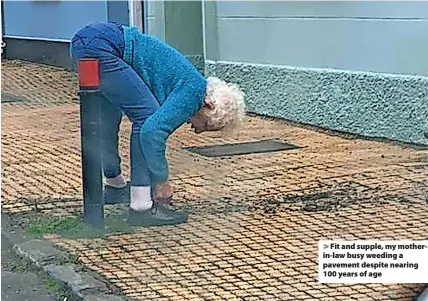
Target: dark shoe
113, 195
158, 215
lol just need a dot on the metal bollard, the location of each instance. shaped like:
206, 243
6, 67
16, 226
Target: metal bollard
90, 131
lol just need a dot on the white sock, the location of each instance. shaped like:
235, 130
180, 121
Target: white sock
140, 198
117, 182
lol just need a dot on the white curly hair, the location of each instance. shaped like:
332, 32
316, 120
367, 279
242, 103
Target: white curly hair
228, 102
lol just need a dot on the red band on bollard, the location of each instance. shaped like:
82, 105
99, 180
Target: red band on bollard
89, 74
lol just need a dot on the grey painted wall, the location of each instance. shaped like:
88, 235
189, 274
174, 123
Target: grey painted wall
155, 19
183, 26
324, 9
117, 11
210, 30
50, 19
39, 31
179, 23
329, 64
59, 19
387, 37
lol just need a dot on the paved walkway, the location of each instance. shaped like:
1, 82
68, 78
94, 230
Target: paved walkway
256, 219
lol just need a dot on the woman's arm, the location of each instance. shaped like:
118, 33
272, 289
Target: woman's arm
181, 105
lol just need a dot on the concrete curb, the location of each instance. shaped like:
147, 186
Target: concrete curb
56, 263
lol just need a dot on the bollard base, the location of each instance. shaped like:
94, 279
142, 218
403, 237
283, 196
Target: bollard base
94, 216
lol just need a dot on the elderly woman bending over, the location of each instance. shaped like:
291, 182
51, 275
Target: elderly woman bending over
158, 89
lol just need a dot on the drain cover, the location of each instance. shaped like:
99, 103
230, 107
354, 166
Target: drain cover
265, 146
8, 98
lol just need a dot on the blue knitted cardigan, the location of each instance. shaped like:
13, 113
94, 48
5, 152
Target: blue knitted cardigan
178, 86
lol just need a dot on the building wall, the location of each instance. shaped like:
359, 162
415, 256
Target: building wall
359, 67
179, 23
29, 18
384, 37
155, 18
117, 11
40, 31
30, 37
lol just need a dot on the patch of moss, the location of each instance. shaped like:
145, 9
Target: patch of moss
75, 227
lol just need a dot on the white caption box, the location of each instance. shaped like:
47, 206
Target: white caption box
373, 261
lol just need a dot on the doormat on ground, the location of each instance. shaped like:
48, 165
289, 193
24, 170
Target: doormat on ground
234, 149
9, 98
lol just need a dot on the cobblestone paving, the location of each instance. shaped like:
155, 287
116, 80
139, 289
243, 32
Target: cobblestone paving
256, 219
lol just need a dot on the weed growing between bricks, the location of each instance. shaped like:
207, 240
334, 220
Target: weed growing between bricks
75, 227
69, 223
328, 198
39, 220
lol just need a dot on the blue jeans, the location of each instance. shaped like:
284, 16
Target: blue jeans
122, 90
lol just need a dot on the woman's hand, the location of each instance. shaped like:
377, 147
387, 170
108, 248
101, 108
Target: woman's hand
164, 192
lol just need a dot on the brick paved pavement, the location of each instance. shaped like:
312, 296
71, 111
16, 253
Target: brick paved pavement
256, 219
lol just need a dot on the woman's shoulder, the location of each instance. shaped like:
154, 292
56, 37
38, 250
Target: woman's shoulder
135, 33
130, 31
